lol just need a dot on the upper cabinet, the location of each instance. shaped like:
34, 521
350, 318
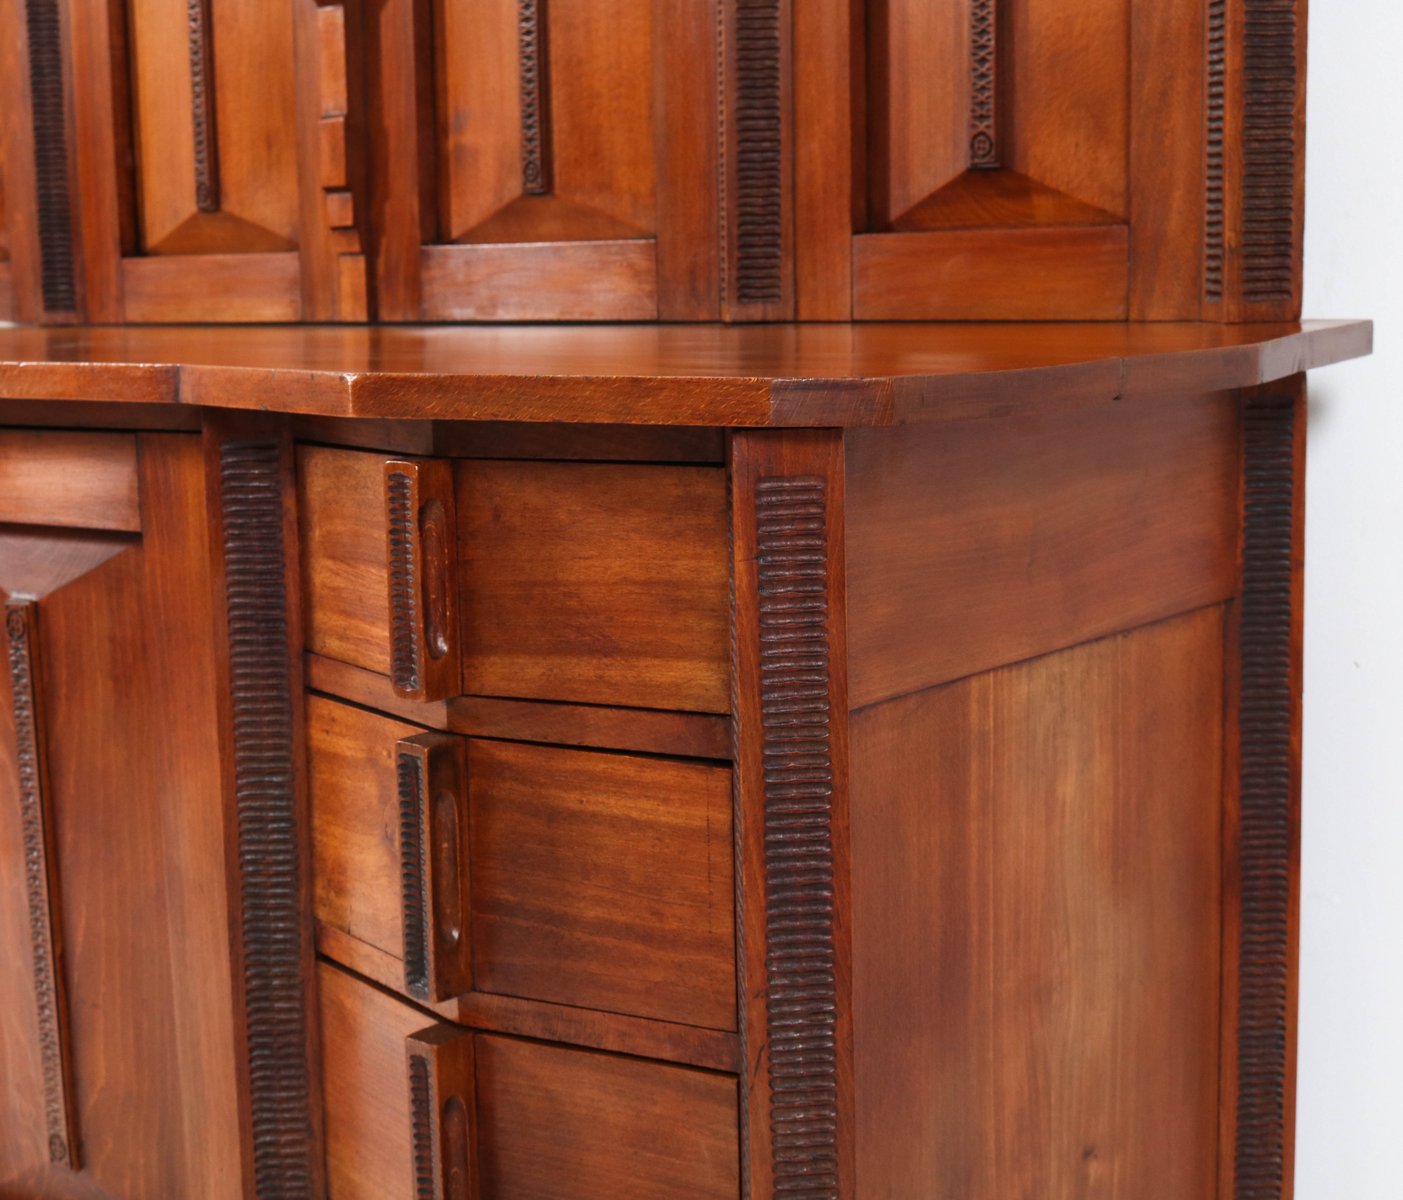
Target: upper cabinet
641, 160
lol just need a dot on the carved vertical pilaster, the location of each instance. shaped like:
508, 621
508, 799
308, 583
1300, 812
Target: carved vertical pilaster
984, 85
535, 98
267, 821
1262, 859
49, 117
202, 119
791, 819
41, 888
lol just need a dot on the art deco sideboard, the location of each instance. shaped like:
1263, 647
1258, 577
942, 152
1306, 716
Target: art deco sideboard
810, 710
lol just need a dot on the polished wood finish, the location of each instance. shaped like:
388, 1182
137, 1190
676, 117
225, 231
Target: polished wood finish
557, 1122
1033, 534
661, 375
38, 470
600, 584
1058, 1036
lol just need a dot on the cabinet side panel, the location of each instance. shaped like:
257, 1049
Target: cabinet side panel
1035, 926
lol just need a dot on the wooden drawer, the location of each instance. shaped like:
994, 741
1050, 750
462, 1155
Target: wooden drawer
600, 583
584, 878
418, 1108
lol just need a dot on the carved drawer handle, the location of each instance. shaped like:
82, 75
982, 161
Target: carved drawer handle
423, 579
41, 885
432, 773
442, 1104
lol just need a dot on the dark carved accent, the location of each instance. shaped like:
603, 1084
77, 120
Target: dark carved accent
272, 921
759, 119
404, 580
421, 1116
202, 93
51, 155
535, 99
413, 869
1266, 836
1269, 150
984, 85
796, 716
1215, 229
36, 829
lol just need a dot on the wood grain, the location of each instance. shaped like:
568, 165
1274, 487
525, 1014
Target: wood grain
1032, 535
603, 881
39, 471
558, 1122
594, 583
1036, 909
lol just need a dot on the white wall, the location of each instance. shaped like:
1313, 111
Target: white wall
1350, 1111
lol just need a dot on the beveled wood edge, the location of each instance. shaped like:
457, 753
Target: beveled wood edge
617, 1033
734, 401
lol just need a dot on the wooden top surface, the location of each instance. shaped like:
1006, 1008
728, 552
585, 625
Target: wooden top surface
738, 375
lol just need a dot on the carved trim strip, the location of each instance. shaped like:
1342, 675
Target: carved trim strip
535, 100
273, 928
401, 521
984, 80
1269, 150
1267, 797
202, 113
759, 121
413, 872
421, 1119
796, 716
36, 828
1215, 229
46, 75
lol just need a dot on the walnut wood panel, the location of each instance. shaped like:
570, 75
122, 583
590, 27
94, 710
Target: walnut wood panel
1035, 534
791, 813
603, 881
268, 840
76, 480
594, 726
660, 375
1036, 926
1263, 826
124, 635
559, 1122
370, 1151
596, 583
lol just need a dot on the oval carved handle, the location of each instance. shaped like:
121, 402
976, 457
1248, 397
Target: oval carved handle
423, 578
432, 775
442, 1112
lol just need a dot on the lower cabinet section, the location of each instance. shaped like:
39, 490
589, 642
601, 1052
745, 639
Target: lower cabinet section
418, 1109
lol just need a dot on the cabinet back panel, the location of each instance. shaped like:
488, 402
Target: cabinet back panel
1036, 926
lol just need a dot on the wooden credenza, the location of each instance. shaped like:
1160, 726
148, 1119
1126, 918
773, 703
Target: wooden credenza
794, 697
829, 761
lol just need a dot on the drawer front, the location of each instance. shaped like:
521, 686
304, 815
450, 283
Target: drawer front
591, 879
598, 583
69, 480
417, 1109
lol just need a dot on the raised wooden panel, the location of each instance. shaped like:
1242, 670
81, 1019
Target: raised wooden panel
77, 480
559, 1122
603, 881
1025, 536
1036, 926
605, 584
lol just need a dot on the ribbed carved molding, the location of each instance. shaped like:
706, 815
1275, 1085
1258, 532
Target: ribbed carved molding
46, 86
268, 823
402, 523
796, 728
1269, 150
535, 105
1215, 205
1266, 788
199, 28
413, 871
36, 833
759, 152
421, 1121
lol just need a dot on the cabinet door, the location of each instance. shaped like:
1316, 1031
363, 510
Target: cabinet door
210, 152
545, 159
1030, 159
117, 1036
